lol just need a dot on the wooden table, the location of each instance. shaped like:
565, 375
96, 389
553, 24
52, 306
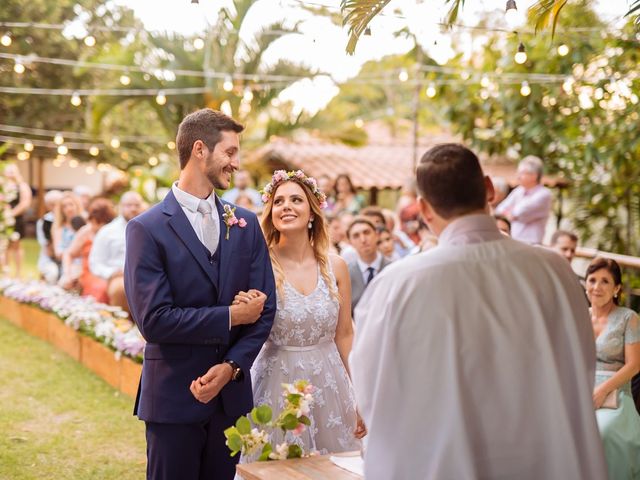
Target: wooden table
312, 468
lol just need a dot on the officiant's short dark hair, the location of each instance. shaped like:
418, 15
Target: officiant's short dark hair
206, 125
451, 180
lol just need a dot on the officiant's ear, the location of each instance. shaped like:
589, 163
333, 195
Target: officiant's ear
491, 191
426, 210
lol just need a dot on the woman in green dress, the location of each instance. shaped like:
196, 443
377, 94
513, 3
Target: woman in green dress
617, 332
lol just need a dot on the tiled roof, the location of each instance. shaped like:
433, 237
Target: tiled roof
377, 165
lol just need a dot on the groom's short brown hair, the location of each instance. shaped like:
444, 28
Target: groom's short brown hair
451, 180
204, 125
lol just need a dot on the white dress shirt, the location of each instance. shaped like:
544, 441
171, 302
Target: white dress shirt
488, 343
189, 204
529, 210
108, 249
364, 267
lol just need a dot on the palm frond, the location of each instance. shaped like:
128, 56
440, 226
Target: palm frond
634, 9
545, 13
456, 5
357, 14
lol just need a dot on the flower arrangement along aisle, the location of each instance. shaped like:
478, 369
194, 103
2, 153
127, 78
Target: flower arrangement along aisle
253, 441
108, 324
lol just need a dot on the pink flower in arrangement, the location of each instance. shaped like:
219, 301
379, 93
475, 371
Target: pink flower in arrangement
242, 223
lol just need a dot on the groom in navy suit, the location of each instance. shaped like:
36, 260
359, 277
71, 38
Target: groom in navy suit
186, 259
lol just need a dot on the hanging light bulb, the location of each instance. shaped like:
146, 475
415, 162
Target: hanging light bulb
28, 146
171, 145
153, 161
63, 150
161, 99
226, 108
525, 89
58, 139
198, 44
511, 13
115, 142
228, 84
485, 82
73, 163
19, 67
90, 40
125, 79
521, 55
94, 151
431, 90
563, 50
247, 95
359, 123
6, 40
367, 31
22, 156
403, 76
75, 99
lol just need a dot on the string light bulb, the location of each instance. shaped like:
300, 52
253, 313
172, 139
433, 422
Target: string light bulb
58, 139
90, 41
563, 50
6, 40
403, 76
19, 67
161, 99
73, 163
94, 151
431, 90
367, 31
171, 145
247, 96
28, 147
525, 89
90, 170
359, 123
125, 79
228, 84
22, 156
75, 99
511, 13
198, 44
153, 161
62, 150
521, 55
115, 142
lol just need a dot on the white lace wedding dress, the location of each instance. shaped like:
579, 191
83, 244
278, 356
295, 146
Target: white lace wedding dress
301, 346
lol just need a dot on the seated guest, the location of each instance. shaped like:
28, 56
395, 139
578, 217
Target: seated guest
386, 246
369, 262
401, 241
501, 187
244, 200
503, 224
47, 265
337, 235
106, 259
242, 185
528, 206
101, 212
565, 243
346, 251
62, 231
345, 196
617, 332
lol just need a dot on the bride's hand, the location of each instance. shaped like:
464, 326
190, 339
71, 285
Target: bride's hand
361, 428
245, 297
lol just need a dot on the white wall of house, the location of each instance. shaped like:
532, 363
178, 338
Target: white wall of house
63, 177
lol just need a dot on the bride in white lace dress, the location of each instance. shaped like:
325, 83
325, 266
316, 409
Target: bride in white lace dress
313, 331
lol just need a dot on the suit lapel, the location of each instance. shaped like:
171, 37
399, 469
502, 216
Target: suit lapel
181, 226
225, 247
357, 282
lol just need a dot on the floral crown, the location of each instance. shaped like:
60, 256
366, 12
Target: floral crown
280, 176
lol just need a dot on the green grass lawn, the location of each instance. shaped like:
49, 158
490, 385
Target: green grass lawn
60, 421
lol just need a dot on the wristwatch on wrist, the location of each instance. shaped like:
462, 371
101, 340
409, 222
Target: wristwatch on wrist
236, 371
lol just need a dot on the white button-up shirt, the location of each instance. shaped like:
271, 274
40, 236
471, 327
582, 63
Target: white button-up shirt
189, 204
108, 249
364, 267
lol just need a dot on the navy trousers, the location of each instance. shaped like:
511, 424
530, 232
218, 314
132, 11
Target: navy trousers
195, 451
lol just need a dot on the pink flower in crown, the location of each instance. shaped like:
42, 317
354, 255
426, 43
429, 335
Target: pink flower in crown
300, 174
265, 197
280, 176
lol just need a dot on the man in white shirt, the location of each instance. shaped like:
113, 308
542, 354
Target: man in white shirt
363, 237
528, 206
475, 359
106, 259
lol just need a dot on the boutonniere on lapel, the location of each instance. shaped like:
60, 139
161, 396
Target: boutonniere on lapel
230, 219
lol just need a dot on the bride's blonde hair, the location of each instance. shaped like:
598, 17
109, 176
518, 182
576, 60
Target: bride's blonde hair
318, 236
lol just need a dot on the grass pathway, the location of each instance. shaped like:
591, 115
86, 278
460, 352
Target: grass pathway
60, 421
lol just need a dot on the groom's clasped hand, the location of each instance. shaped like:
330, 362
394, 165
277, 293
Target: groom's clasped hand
246, 312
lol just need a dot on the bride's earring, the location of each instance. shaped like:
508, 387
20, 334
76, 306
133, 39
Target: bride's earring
310, 224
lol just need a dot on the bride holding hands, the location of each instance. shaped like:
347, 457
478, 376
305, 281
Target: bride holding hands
313, 331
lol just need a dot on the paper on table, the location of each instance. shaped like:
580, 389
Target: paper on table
353, 464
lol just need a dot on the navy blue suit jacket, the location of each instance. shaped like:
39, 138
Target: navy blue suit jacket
180, 303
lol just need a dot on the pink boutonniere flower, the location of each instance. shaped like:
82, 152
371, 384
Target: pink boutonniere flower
230, 219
